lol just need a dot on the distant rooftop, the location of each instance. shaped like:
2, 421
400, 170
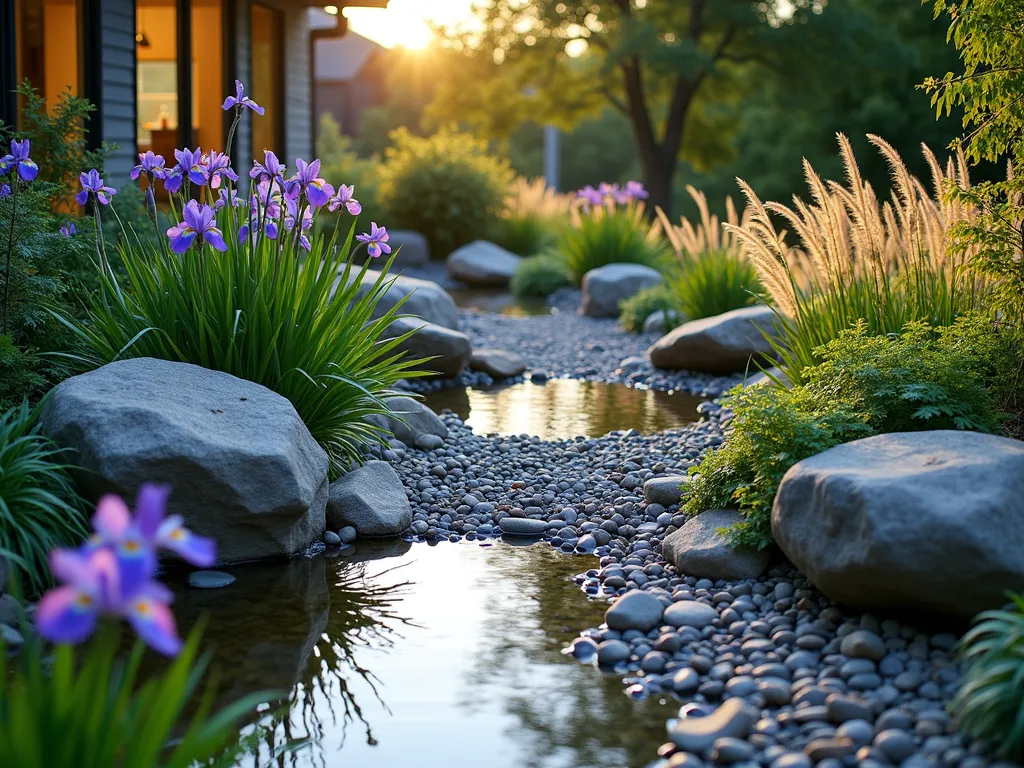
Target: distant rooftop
341, 59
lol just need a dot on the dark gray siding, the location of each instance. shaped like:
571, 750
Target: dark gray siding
117, 85
298, 91
241, 12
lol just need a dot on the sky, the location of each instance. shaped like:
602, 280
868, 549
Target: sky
407, 22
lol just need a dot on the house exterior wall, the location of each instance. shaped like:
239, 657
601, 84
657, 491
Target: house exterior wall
298, 92
238, 42
116, 83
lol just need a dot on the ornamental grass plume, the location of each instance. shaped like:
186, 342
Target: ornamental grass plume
859, 258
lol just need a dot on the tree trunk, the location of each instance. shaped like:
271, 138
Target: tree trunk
658, 181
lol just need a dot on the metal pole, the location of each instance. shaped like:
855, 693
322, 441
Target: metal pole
552, 139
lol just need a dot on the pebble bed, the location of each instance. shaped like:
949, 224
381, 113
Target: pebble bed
566, 344
768, 672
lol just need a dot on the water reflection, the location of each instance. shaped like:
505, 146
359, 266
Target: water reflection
446, 656
499, 301
566, 408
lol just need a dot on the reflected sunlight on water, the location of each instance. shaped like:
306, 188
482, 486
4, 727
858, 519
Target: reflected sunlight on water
445, 657
566, 408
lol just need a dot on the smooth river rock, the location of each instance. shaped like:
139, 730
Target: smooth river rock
698, 734
635, 610
424, 299
924, 520
483, 263
499, 363
721, 344
242, 466
698, 549
689, 613
449, 350
665, 490
606, 287
410, 419
371, 499
522, 526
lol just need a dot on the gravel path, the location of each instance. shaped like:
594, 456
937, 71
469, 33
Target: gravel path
795, 681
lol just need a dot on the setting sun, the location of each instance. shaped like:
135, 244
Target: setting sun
407, 23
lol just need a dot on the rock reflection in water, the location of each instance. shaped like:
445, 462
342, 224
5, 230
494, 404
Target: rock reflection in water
499, 301
566, 408
447, 656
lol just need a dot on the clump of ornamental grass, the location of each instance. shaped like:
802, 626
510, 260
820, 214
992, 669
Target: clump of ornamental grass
989, 706
93, 708
924, 378
609, 227
857, 258
246, 284
635, 310
712, 275
540, 276
534, 215
39, 508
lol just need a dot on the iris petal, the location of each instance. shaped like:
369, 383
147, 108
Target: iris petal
66, 615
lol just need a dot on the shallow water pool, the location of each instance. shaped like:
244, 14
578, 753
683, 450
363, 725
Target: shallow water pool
446, 656
499, 301
566, 408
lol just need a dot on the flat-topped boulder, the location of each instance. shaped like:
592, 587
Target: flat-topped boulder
410, 420
499, 363
449, 349
930, 521
606, 287
482, 263
720, 345
242, 466
699, 549
424, 299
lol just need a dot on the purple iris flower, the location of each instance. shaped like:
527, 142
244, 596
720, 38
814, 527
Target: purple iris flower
218, 166
270, 169
590, 196
68, 230
307, 180
112, 573
607, 190
240, 101
229, 197
344, 197
19, 159
376, 241
636, 190
151, 165
190, 163
199, 225
291, 207
5, 190
92, 186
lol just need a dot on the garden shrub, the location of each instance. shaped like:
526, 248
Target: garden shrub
888, 265
340, 161
39, 509
989, 706
637, 308
540, 276
445, 186
253, 290
609, 227
957, 377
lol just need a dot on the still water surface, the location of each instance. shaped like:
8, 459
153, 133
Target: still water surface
499, 301
566, 408
409, 655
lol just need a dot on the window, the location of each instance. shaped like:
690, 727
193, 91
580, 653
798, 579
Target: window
156, 52
48, 46
208, 74
266, 79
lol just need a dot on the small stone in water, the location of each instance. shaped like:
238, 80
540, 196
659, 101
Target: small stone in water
210, 579
347, 534
331, 539
522, 526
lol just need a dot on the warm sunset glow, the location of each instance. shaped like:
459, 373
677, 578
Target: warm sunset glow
407, 22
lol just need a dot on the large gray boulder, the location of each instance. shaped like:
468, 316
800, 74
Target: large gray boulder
482, 263
242, 466
413, 248
924, 520
698, 549
450, 349
721, 344
410, 419
606, 287
423, 298
371, 499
